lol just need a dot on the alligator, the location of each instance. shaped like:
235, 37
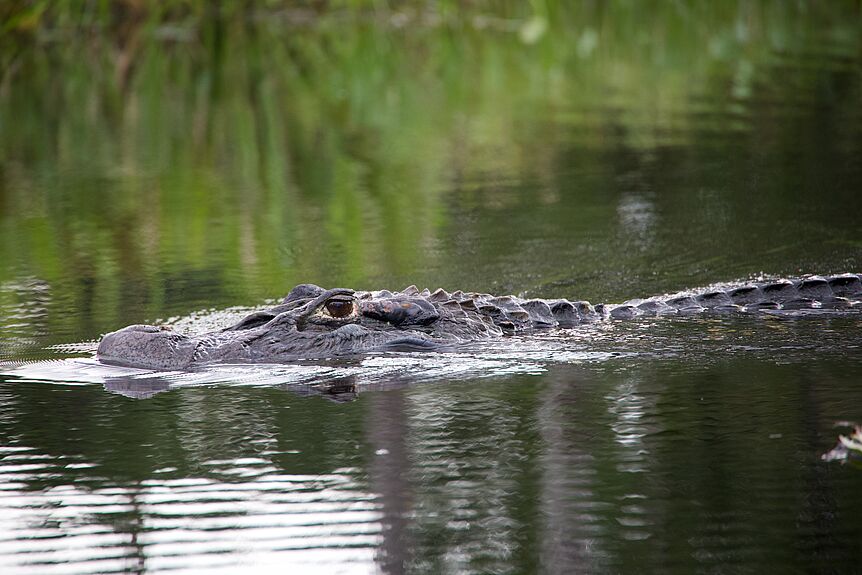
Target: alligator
313, 322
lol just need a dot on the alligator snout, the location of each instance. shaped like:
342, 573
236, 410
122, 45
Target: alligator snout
150, 347
400, 311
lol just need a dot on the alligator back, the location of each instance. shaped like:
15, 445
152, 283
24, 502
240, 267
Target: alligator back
511, 313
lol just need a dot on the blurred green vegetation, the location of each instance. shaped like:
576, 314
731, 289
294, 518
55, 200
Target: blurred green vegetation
156, 157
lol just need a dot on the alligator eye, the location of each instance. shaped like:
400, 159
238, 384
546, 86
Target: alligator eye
339, 308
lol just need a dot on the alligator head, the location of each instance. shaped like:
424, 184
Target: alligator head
311, 322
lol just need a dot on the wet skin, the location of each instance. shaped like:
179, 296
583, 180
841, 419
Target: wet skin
313, 322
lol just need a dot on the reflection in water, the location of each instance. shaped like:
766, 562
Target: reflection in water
225, 176
637, 219
579, 470
630, 409
68, 512
24, 306
317, 523
471, 453
388, 476
572, 535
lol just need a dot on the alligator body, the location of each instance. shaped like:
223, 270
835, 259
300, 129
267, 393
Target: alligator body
312, 322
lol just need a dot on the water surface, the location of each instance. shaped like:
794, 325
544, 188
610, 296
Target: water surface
601, 151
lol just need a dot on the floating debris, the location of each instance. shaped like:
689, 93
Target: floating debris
848, 448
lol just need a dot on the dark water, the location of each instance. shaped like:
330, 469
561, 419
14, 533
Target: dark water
601, 151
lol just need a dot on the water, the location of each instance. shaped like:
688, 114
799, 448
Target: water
618, 151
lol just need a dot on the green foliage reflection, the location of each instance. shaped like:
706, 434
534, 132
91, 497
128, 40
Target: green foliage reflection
170, 155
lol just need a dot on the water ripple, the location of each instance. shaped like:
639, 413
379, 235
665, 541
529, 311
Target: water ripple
189, 522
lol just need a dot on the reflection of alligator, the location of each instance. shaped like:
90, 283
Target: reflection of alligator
312, 322
339, 389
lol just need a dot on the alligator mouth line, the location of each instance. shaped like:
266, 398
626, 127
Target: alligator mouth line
412, 344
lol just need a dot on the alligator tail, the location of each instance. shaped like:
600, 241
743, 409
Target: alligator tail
835, 292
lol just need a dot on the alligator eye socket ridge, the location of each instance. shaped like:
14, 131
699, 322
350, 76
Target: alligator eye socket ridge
339, 307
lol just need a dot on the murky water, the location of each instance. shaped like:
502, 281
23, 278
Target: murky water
607, 152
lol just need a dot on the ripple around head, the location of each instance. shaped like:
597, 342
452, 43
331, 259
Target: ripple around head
787, 337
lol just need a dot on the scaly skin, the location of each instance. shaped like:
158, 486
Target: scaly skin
312, 322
